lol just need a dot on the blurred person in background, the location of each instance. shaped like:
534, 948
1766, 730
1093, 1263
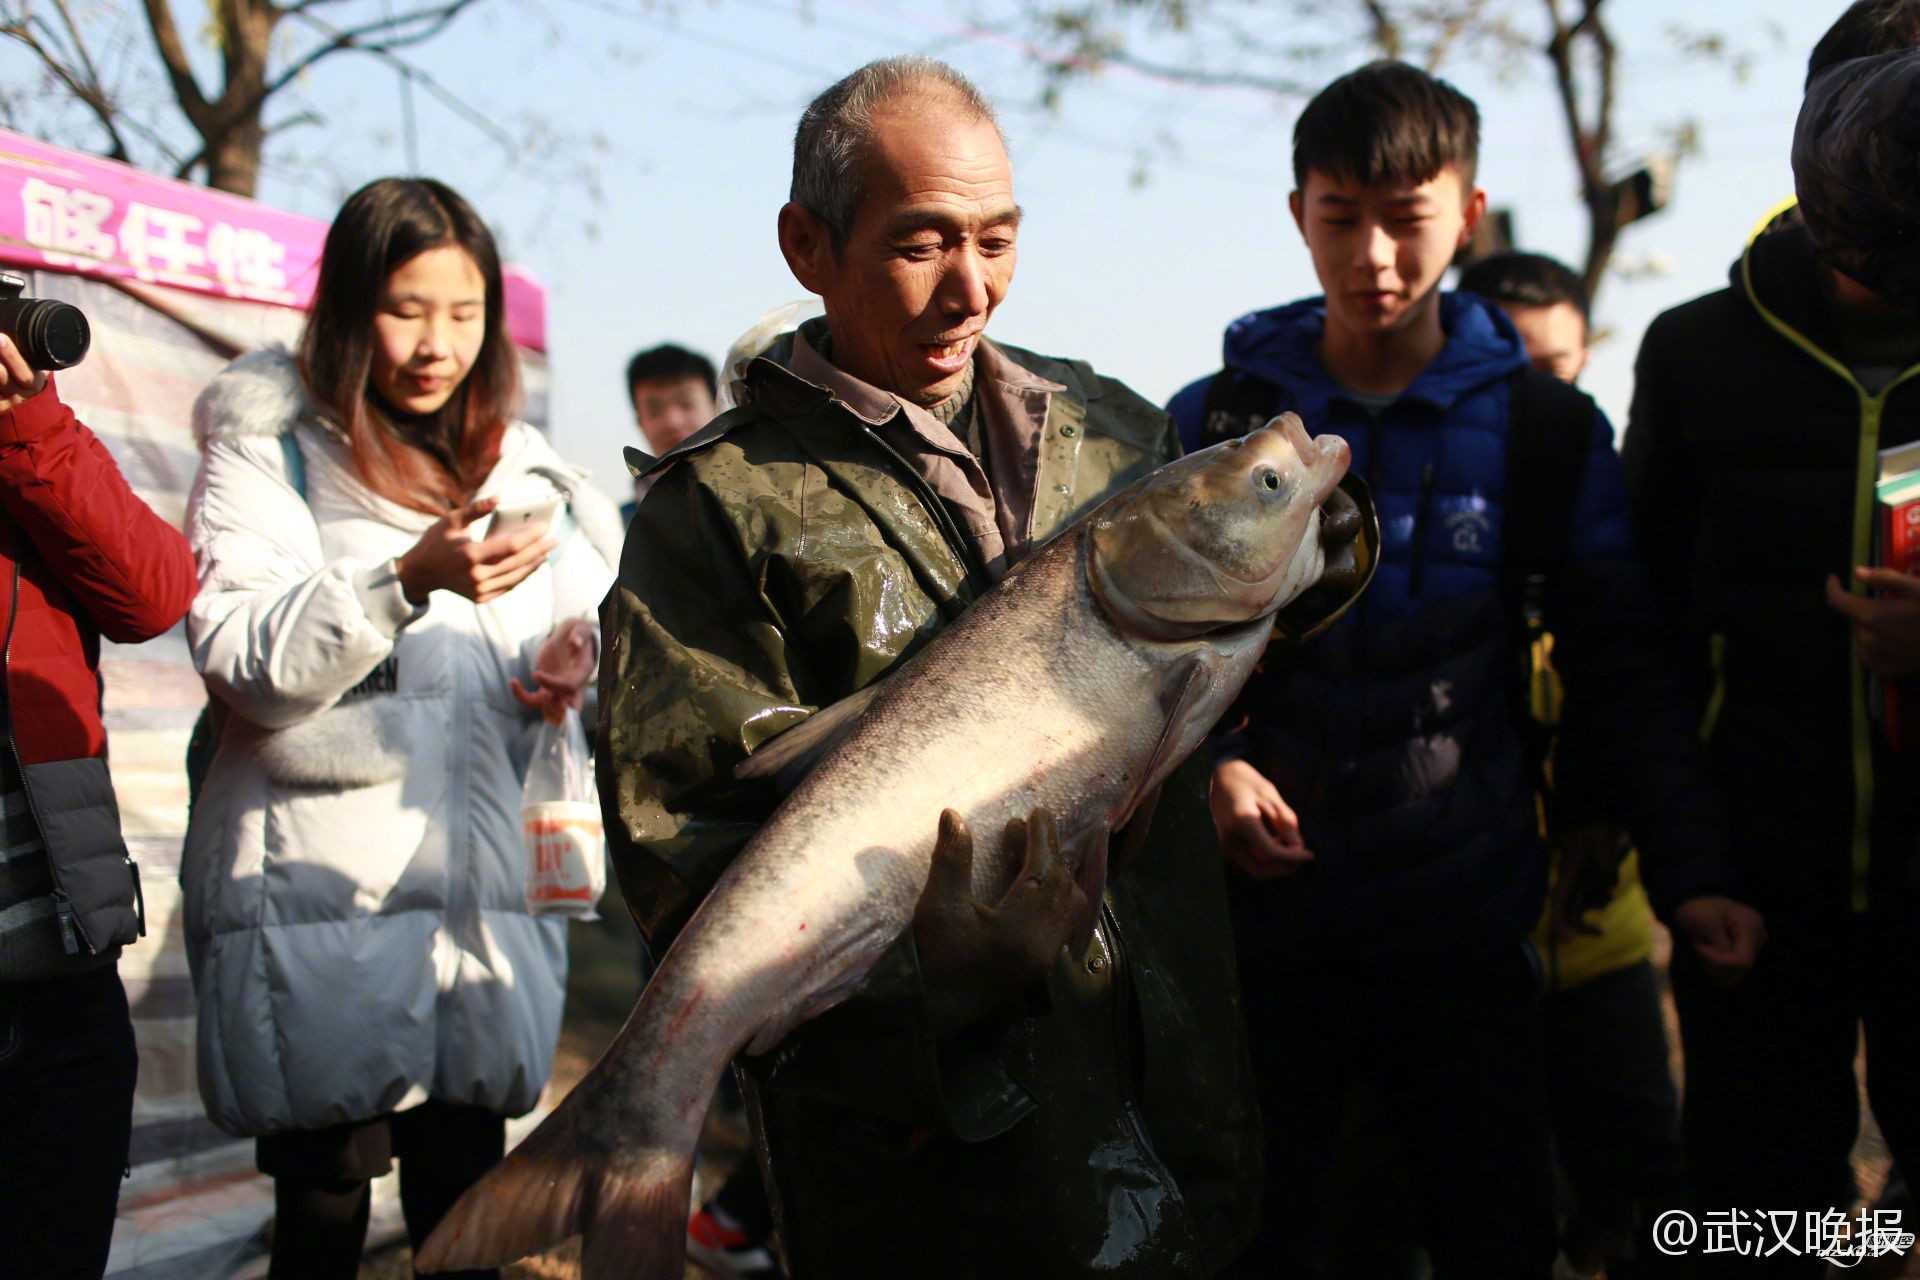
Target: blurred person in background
1610, 1091
673, 392
371, 982
1751, 455
1547, 303
86, 558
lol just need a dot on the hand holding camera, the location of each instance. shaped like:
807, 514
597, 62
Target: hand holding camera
36, 334
19, 381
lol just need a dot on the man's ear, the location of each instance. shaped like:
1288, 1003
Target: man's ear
1297, 205
806, 245
1476, 209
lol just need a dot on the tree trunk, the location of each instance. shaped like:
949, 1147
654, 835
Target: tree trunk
233, 159
1603, 230
239, 135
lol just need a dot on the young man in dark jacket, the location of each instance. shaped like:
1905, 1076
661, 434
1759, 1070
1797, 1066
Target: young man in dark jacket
1381, 803
1750, 455
83, 557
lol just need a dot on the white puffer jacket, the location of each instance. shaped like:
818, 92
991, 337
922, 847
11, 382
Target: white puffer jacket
353, 875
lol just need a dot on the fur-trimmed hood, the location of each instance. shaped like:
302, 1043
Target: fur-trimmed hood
260, 394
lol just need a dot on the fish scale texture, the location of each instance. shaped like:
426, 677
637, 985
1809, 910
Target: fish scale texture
976, 724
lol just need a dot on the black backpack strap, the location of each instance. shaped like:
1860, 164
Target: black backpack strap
1549, 433
1237, 402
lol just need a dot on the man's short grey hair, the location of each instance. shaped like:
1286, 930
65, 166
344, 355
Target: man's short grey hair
837, 125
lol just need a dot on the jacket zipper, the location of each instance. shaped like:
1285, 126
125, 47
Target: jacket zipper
73, 930
942, 518
1865, 469
1717, 696
1422, 516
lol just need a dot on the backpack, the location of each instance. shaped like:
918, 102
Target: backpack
1549, 431
204, 742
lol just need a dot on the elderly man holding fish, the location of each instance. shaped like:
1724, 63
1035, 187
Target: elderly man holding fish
968, 1050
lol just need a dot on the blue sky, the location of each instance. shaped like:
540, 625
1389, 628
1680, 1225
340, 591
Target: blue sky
685, 116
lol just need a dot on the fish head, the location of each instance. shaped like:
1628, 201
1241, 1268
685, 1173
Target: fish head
1219, 538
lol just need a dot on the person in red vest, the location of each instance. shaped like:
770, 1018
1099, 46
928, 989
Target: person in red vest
82, 557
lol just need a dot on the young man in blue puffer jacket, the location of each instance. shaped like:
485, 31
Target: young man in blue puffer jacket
1378, 794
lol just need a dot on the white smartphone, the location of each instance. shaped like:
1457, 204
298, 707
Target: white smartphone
537, 513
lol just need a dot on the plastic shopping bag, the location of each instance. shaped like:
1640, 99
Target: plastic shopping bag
560, 823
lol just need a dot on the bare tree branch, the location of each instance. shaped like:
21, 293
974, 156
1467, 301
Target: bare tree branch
1590, 141
1386, 31
435, 20
87, 91
173, 56
1217, 79
452, 102
340, 41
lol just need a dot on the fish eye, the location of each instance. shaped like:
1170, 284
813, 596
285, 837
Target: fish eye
1270, 479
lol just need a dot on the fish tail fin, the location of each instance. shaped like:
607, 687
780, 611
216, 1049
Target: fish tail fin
632, 1210
638, 1229
527, 1202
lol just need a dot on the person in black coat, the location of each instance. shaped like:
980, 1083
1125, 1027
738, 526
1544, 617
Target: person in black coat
1750, 455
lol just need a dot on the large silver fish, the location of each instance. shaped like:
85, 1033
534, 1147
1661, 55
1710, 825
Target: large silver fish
1077, 684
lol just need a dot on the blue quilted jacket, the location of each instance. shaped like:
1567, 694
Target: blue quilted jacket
1397, 735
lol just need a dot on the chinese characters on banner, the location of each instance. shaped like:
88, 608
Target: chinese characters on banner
78, 229
73, 212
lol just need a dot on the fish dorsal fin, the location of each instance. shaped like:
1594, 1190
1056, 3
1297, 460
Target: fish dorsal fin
788, 756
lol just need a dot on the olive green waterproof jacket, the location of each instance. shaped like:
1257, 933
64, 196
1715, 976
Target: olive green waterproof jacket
784, 558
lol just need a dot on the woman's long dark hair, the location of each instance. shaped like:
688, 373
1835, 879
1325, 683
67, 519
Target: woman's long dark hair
380, 228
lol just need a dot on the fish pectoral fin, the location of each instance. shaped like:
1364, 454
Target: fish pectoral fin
1191, 682
787, 757
1134, 833
1092, 879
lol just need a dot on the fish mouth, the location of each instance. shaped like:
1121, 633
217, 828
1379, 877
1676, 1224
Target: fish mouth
1350, 544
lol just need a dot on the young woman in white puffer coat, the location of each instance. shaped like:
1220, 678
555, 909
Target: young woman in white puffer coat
371, 984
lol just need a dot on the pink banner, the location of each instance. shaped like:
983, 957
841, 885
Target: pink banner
72, 212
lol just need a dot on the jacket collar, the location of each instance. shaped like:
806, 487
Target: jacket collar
1015, 406
1778, 274
1282, 345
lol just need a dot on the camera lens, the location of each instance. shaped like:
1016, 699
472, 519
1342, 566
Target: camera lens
51, 335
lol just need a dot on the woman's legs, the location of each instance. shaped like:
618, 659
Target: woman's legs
319, 1229
444, 1148
321, 1196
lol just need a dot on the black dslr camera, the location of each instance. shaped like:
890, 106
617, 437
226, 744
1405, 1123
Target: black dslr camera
51, 335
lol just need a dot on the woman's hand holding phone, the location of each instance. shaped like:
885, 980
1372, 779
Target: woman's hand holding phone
449, 558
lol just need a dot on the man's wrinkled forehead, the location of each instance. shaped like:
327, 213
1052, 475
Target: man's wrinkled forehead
926, 152
919, 217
